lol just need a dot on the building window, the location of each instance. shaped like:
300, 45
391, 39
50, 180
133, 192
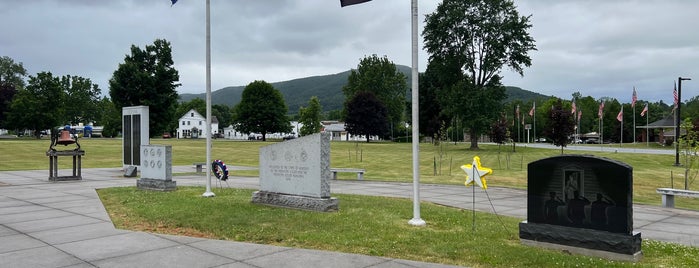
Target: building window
183, 123
200, 123
192, 115
189, 123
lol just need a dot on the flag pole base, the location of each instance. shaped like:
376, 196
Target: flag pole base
208, 194
417, 222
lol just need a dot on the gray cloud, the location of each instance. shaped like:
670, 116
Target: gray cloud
599, 48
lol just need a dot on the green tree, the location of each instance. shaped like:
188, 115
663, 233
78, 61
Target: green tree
381, 77
11, 79
334, 115
108, 117
432, 119
38, 106
81, 99
366, 115
481, 37
310, 117
261, 110
560, 125
223, 113
147, 77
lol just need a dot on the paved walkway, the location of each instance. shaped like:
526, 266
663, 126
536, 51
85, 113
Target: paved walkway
64, 224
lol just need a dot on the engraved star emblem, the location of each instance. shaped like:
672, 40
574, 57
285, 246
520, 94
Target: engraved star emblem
476, 173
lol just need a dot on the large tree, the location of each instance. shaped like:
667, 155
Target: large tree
366, 115
81, 99
310, 117
38, 106
11, 79
480, 37
261, 110
147, 77
381, 77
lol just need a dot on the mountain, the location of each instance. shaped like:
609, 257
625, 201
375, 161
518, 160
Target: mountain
328, 89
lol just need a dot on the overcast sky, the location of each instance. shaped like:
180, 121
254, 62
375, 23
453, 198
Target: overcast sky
598, 48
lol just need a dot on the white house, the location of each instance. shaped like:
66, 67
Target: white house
193, 125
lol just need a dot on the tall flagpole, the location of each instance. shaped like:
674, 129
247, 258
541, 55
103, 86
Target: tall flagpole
416, 221
208, 192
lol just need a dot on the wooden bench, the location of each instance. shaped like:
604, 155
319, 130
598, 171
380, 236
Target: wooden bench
359, 171
670, 193
199, 166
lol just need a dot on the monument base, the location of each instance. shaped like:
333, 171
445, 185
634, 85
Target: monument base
603, 244
156, 185
295, 201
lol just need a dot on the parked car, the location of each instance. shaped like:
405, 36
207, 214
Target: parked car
166, 135
592, 141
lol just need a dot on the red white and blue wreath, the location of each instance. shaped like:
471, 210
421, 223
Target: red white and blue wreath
220, 170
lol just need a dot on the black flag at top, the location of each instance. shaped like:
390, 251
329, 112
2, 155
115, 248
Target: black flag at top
351, 2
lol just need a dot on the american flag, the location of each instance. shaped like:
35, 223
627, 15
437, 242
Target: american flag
633, 98
674, 94
620, 116
579, 115
601, 107
573, 111
645, 110
531, 112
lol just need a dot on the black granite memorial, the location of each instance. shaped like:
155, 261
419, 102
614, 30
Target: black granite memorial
581, 202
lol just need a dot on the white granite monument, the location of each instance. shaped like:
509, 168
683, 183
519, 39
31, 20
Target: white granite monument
156, 168
296, 174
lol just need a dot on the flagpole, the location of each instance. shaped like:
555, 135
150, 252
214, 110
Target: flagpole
622, 125
534, 115
647, 115
208, 192
416, 220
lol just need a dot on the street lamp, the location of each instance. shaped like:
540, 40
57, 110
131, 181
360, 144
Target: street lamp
677, 119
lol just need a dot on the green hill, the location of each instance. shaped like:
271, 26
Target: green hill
328, 89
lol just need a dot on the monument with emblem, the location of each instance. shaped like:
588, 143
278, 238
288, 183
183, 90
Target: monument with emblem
156, 168
296, 174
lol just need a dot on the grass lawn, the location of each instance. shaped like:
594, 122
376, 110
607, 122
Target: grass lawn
359, 227
383, 161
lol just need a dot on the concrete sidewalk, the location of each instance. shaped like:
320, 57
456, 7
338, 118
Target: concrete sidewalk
44, 224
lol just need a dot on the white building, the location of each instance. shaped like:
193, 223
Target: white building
231, 133
193, 125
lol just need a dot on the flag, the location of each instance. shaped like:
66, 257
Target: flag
343, 3
173, 2
674, 94
531, 112
573, 111
645, 110
601, 107
634, 98
579, 115
517, 111
620, 116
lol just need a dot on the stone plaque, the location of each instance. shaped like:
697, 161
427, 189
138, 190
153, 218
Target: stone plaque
296, 174
297, 167
156, 162
581, 201
156, 168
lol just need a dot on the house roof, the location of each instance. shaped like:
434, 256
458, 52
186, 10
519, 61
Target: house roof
667, 122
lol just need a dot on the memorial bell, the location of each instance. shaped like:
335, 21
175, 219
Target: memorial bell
65, 138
